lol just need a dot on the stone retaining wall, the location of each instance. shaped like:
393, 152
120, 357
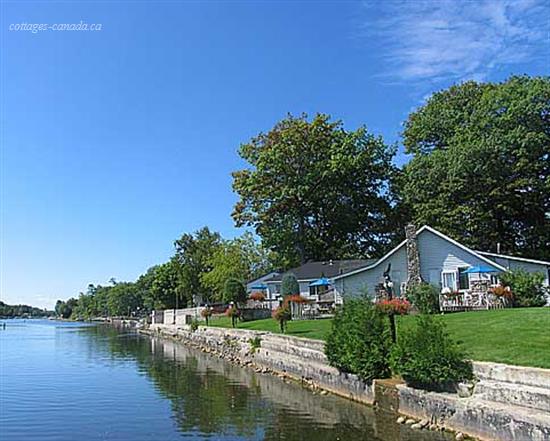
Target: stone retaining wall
508, 403
300, 358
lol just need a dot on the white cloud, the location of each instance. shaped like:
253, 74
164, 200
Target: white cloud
444, 39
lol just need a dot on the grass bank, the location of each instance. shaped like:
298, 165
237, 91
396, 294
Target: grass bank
513, 336
317, 329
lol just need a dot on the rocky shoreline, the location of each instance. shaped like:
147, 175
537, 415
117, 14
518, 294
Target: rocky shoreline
228, 349
508, 403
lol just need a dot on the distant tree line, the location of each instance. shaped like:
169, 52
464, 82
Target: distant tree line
201, 265
314, 190
12, 311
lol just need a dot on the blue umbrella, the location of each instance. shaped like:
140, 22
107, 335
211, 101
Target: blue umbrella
323, 281
259, 286
480, 269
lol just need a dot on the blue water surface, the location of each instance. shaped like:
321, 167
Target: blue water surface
68, 381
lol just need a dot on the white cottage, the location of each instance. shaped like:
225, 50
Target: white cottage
437, 259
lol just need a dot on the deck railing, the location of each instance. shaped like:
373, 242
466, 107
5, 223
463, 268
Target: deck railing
469, 301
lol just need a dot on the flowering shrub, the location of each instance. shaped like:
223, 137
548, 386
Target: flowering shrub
394, 306
295, 298
234, 313
257, 296
206, 313
502, 291
451, 295
282, 315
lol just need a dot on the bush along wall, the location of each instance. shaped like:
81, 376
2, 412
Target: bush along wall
359, 341
427, 358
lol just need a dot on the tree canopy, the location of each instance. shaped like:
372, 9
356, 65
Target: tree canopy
480, 170
314, 190
241, 258
22, 311
234, 291
194, 253
202, 264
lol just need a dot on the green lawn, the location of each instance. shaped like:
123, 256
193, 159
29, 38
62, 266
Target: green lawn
317, 329
513, 336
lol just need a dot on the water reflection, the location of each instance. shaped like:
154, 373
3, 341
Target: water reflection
211, 397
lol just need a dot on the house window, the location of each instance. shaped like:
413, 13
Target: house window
434, 277
448, 280
463, 279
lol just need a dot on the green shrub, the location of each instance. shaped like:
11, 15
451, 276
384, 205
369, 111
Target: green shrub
426, 357
527, 288
289, 285
234, 291
425, 298
206, 313
359, 341
194, 325
255, 344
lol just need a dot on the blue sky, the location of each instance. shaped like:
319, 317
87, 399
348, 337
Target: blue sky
115, 142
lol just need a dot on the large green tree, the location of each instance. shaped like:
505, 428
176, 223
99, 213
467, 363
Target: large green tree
314, 190
124, 299
242, 258
165, 290
480, 170
193, 253
144, 285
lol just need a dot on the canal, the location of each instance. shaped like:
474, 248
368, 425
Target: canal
69, 381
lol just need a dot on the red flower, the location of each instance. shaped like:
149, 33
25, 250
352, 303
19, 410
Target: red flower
257, 296
232, 312
394, 306
295, 298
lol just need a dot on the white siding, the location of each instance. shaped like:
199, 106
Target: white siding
438, 254
356, 284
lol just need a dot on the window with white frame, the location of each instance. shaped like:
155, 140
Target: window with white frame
448, 280
463, 278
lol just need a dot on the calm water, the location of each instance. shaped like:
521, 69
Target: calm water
67, 381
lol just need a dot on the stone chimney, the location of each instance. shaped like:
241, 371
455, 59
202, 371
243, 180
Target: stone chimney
413, 257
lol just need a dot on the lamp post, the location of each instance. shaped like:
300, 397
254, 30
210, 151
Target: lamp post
388, 286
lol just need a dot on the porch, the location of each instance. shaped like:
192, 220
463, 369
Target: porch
481, 296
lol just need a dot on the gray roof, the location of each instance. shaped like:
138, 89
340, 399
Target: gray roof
328, 268
492, 256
